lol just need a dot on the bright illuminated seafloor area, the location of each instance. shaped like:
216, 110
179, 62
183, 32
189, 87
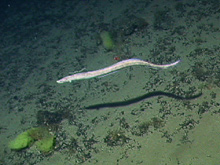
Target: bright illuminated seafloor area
137, 115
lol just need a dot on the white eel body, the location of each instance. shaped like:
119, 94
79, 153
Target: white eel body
112, 68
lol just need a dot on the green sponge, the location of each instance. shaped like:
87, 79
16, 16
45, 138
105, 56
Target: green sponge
44, 140
46, 144
107, 40
21, 141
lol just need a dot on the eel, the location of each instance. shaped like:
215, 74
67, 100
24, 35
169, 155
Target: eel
112, 68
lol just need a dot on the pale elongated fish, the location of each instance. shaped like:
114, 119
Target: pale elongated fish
112, 68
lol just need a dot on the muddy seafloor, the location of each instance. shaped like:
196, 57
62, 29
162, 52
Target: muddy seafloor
176, 123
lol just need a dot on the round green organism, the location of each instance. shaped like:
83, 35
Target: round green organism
43, 139
46, 144
107, 40
21, 141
